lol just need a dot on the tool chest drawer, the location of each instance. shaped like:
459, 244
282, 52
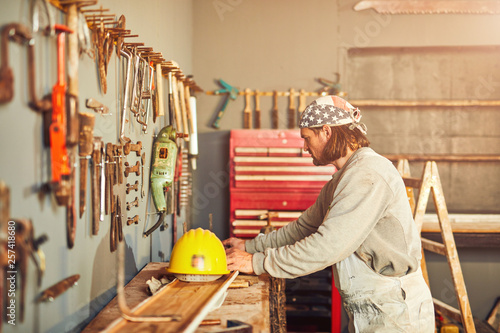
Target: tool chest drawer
273, 200
248, 222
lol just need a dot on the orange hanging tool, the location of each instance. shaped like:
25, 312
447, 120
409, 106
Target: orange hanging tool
61, 169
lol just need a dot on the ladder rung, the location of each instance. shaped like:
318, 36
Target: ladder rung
447, 310
434, 246
412, 182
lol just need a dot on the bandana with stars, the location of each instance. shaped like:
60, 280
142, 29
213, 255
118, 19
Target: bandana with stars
331, 111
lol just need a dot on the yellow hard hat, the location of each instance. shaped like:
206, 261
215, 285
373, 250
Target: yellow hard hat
198, 256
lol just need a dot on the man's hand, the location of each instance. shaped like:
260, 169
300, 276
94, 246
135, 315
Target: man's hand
234, 243
238, 260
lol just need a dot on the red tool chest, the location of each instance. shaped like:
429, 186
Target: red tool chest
273, 180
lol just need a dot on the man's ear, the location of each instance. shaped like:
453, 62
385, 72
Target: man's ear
328, 131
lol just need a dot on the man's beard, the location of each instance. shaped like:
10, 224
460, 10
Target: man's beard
319, 161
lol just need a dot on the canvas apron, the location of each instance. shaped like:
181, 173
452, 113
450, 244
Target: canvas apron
377, 303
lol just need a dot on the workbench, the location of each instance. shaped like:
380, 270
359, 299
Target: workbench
249, 305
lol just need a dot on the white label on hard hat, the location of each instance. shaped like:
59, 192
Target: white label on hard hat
198, 262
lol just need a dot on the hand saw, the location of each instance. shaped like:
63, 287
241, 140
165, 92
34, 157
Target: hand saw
430, 6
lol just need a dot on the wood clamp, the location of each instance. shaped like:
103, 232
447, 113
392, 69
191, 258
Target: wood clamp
6, 74
128, 147
134, 187
134, 203
132, 169
133, 220
20, 34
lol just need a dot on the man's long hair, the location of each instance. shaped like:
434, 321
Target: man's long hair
342, 138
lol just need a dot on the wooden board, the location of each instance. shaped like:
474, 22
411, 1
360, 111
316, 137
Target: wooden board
250, 305
190, 300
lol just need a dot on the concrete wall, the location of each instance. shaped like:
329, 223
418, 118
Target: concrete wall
25, 165
278, 45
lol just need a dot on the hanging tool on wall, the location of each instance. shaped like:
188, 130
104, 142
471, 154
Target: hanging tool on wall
231, 93
193, 140
61, 169
143, 161
124, 52
101, 42
184, 110
247, 112
116, 232
177, 193
4, 254
35, 8
72, 135
429, 7
185, 180
6, 74
170, 96
71, 206
95, 183
132, 147
163, 172
137, 83
59, 288
330, 87
17, 244
302, 102
86, 146
26, 246
145, 91
109, 177
134, 187
159, 90
118, 156
177, 108
291, 110
97, 106
21, 35
275, 111
257, 109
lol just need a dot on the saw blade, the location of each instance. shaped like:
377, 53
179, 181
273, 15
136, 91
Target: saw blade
430, 6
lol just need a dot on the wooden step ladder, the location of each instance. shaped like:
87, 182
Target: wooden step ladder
430, 181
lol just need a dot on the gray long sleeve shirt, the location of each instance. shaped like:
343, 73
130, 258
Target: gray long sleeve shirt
364, 209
